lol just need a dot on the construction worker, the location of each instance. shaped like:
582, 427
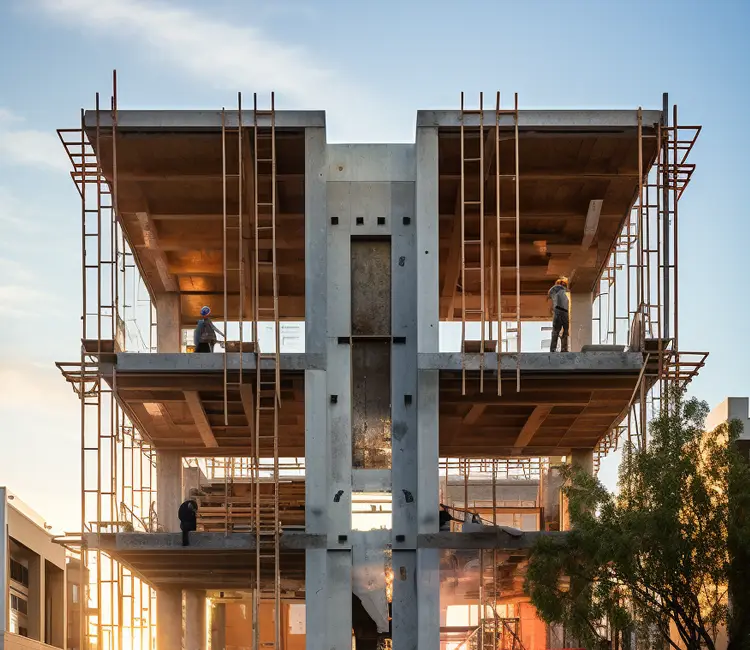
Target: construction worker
204, 337
445, 518
188, 516
558, 294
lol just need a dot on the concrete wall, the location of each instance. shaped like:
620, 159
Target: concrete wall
15, 642
730, 409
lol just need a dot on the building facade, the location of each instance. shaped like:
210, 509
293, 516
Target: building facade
32, 580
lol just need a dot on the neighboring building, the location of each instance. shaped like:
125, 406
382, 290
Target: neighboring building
732, 408
32, 575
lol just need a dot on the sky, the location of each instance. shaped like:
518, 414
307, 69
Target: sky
371, 66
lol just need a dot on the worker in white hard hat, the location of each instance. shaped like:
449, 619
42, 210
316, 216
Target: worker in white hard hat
204, 337
558, 294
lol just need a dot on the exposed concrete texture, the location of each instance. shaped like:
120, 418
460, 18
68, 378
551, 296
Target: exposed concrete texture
218, 626
583, 459
574, 120
168, 618
168, 339
198, 541
487, 538
368, 573
178, 120
426, 575
195, 620
168, 489
371, 163
538, 361
581, 324
132, 362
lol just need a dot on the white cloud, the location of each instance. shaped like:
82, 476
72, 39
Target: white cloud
20, 146
20, 295
236, 57
14, 213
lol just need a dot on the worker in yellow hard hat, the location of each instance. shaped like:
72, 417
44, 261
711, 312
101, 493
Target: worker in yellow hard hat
558, 294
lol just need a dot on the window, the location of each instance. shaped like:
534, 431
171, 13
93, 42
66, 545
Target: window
74, 594
19, 572
19, 604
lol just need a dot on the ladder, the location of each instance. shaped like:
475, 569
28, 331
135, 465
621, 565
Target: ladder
516, 227
267, 382
472, 230
232, 225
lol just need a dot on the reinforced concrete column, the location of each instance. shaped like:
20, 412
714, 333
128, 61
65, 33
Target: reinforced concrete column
428, 341
404, 453
328, 604
581, 323
168, 489
218, 626
195, 620
168, 328
583, 459
168, 618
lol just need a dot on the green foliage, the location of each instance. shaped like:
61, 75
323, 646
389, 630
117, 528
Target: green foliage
657, 554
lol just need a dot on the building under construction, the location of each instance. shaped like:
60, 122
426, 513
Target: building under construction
419, 276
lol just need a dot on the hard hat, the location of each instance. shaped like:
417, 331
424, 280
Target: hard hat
205, 311
563, 281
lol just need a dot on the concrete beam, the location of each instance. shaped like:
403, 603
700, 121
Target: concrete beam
160, 363
490, 539
568, 362
154, 542
199, 417
197, 121
574, 120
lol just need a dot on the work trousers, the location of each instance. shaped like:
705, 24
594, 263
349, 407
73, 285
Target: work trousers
560, 327
206, 346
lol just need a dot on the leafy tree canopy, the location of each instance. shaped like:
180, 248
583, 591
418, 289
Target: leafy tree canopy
660, 554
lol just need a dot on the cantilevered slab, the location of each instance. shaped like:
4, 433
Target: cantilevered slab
192, 121
177, 402
211, 561
568, 120
566, 401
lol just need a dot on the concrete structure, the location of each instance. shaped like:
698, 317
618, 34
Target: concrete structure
373, 246
32, 580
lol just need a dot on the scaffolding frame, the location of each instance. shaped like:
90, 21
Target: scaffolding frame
117, 466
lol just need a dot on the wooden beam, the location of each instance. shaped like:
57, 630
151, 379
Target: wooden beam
248, 405
475, 412
199, 416
151, 240
538, 415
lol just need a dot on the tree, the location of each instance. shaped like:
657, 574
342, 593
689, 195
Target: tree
661, 553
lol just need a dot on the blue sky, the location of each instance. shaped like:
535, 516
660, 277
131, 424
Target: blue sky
371, 65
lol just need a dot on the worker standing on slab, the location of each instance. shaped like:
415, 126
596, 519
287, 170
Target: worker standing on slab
558, 294
204, 337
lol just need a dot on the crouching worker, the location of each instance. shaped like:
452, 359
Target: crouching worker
188, 516
204, 337
558, 294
